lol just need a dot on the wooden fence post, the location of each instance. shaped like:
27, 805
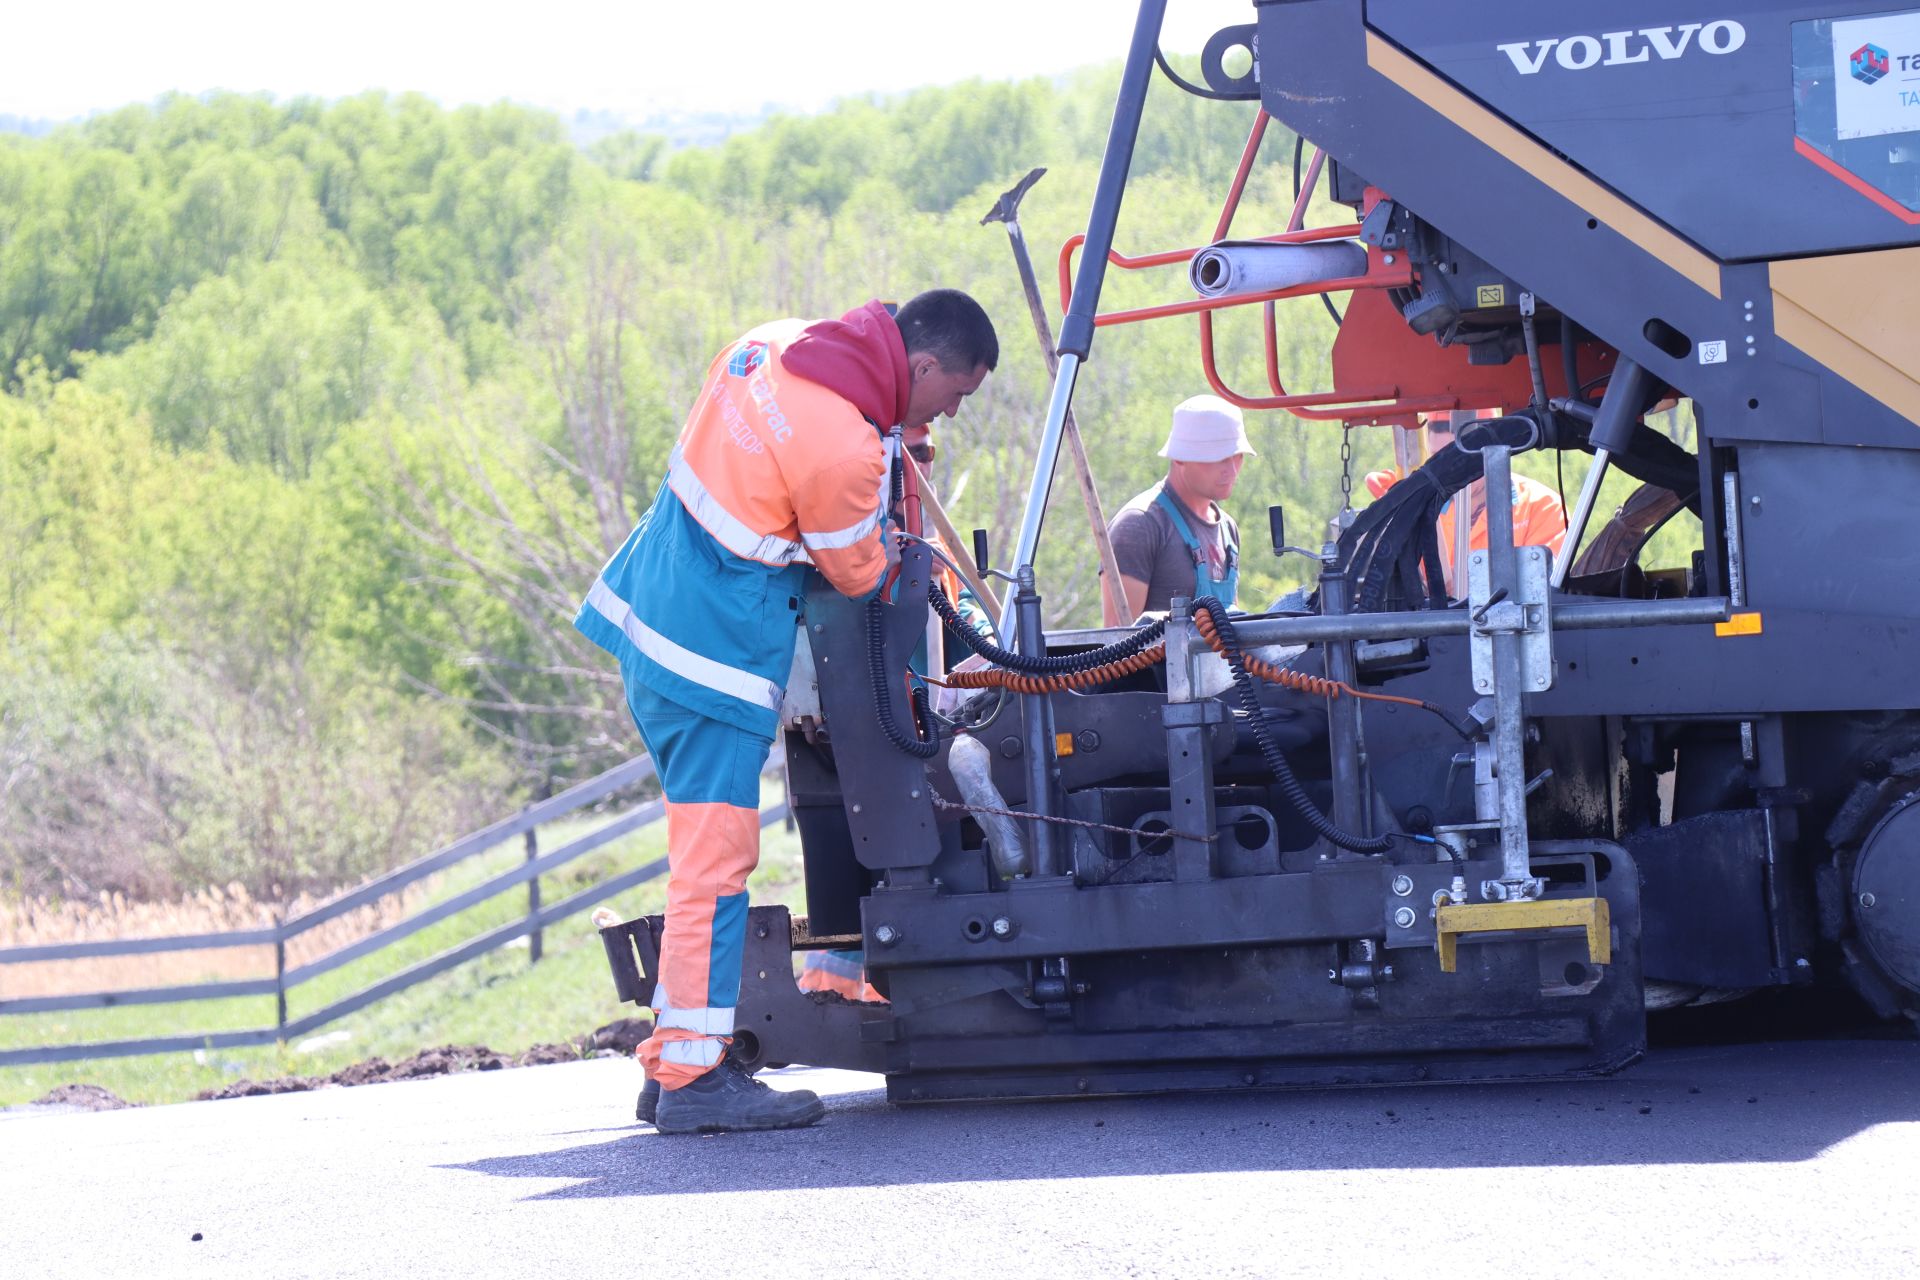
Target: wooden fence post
280, 977
533, 898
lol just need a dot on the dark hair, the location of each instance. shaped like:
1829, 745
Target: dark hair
952, 328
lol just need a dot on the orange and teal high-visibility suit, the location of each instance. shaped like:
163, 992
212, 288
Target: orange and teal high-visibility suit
775, 475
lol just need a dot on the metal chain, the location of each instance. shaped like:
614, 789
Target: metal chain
941, 802
1346, 470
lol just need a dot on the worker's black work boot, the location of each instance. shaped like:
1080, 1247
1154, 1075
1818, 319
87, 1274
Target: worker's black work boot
649, 1102
728, 1099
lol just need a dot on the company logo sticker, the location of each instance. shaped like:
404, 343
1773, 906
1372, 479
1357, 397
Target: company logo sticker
749, 357
1876, 75
1869, 63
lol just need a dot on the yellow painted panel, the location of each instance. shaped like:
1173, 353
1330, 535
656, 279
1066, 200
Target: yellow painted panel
1854, 313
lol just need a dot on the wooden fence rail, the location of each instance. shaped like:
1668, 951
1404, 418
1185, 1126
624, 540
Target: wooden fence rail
537, 918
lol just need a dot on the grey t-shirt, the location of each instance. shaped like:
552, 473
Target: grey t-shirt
1150, 549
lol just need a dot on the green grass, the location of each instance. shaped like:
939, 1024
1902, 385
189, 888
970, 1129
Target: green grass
498, 999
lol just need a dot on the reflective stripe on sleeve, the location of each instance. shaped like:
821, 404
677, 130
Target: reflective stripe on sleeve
706, 1022
843, 537
728, 529
685, 663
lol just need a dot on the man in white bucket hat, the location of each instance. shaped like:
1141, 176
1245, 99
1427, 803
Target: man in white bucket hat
1175, 539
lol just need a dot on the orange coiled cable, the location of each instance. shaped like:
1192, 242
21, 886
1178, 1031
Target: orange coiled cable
1000, 677
1299, 681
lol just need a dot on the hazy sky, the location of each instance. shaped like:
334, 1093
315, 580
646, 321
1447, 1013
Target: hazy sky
634, 57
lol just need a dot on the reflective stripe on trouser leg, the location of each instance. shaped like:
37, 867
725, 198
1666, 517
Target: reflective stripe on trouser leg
843, 973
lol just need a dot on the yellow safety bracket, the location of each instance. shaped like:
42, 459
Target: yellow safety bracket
1591, 914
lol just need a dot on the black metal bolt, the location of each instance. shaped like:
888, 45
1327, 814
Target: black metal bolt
1087, 740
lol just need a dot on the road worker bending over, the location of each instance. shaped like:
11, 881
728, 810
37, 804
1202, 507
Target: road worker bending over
781, 469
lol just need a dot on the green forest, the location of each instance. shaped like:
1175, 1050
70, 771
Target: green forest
319, 418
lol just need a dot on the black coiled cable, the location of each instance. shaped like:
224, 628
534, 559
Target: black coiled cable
1048, 665
1391, 553
883, 702
1276, 760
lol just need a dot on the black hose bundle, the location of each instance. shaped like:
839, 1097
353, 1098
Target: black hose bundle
1049, 665
912, 743
1276, 759
1391, 553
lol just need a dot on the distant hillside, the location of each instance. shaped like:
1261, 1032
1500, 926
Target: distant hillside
31, 127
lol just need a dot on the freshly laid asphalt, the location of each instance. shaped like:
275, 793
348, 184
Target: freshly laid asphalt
1781, 1160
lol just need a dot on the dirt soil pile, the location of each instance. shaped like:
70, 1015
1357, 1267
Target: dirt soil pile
616, 1039
87, 1097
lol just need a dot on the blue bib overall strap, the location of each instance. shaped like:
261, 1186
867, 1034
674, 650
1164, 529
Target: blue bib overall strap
1204, 583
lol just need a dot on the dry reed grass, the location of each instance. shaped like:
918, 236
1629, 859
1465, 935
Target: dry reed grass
112, 916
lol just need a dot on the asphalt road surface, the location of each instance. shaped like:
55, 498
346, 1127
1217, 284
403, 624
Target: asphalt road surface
1786, 1160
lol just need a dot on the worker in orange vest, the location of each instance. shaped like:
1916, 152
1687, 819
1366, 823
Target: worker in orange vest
1539, 519
781, 471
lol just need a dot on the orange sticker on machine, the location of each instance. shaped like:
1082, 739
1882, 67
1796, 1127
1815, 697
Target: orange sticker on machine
1740, 624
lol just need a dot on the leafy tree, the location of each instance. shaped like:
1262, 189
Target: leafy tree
268, 362
628, 155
